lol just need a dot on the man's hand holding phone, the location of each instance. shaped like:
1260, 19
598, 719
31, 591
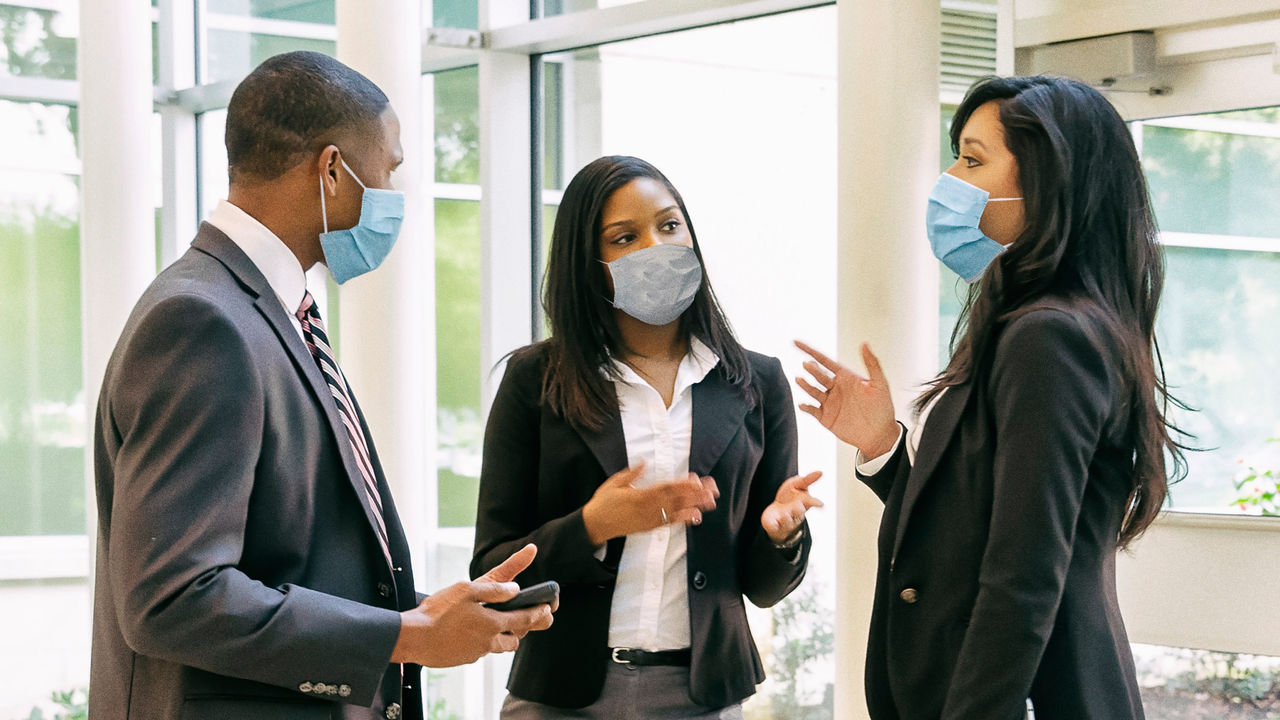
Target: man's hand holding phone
459, 624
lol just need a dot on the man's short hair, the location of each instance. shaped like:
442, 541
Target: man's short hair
291, 105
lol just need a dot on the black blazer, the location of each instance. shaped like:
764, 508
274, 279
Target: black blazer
538, 472
996, 577
238, 574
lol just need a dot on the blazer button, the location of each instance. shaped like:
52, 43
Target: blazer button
384, 589
393, 711
909, 596
699, 580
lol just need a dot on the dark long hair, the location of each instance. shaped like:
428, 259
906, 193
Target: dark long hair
578, 383
1090, 237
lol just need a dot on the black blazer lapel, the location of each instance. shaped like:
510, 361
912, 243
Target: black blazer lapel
214, 242
718, 409
939, 426
608, 443
609, 446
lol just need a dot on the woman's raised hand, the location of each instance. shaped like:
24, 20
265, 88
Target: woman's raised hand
618, 508
782, 518
856, 409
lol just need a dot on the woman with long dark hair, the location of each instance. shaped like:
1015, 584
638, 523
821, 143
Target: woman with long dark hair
650, 458
1040, 450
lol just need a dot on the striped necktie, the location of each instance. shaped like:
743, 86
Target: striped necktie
318, 343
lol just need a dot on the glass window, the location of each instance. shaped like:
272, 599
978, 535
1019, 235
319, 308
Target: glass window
741, 118
38, 42
458, 370
310, 11
456, 107
463, 14
42, 409
1195, 684
233, 54
240, 34
1217, 334
1215, 185
42, 404
456, 97
1215, 174
560, 7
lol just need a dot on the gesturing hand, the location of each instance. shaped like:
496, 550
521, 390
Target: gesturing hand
619, 508
452, 626
856, 409
783, 516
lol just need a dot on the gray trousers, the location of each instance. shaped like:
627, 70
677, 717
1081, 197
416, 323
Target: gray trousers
630, 693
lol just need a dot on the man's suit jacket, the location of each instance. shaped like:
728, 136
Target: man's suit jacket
538, 472
238, 573
997, 549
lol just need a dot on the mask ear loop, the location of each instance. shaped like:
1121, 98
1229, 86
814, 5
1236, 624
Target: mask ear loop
324, 214
991, 200
352, 174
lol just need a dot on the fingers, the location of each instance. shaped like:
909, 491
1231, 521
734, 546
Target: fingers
687, 516
813, 410
802, 482
691, 493
503, 643
708, 484
526, 620
874, 371
824, 378
815, 393
512, 566
827, 362
779, 521
488, 591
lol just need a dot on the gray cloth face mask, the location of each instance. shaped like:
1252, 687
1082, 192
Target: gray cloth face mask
657, 284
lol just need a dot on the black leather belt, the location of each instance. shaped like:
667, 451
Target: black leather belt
630, 656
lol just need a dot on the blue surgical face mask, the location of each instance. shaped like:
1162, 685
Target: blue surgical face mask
657, 284
356, 251
955, 209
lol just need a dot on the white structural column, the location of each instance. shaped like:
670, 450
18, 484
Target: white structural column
387, 324
178, 214
887, 146
117, 222
505, 206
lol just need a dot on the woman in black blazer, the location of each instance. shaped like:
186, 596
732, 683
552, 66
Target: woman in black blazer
1040, 449
650, 458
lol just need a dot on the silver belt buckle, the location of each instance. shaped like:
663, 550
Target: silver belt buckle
617, 659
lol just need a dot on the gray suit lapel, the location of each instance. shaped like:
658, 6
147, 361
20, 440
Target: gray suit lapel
938, 429
214, 242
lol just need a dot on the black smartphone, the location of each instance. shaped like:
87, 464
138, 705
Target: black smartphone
541, 594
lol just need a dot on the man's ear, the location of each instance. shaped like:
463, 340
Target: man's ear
329, 165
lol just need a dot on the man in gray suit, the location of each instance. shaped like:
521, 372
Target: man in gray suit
251, 563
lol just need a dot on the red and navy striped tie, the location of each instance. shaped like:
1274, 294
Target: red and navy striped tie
318, 343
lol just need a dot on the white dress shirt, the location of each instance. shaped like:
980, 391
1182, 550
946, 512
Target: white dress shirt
273, 258
872, 466
650, 608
